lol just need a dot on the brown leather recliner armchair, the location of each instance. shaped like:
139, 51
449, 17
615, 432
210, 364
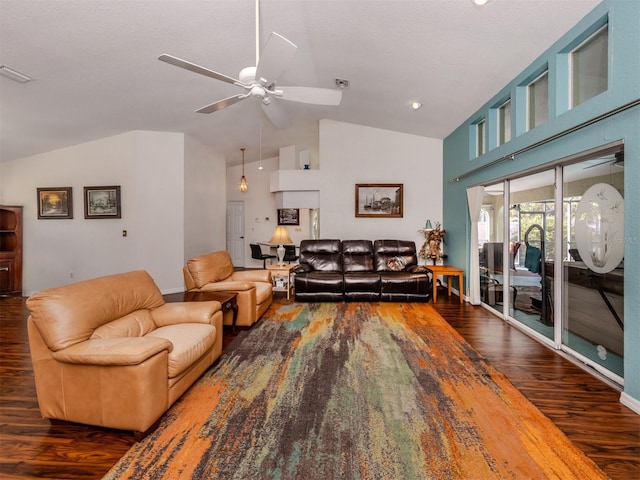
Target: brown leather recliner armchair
110, 352
214, 272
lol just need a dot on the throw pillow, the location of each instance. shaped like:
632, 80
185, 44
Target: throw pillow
396, 264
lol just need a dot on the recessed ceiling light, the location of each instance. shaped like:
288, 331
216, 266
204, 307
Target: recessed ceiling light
14, 75
479, 2
416, 105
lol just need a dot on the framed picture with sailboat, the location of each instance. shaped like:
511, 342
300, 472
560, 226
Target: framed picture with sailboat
379, 200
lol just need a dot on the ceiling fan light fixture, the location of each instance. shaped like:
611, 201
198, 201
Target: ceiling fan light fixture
243, 185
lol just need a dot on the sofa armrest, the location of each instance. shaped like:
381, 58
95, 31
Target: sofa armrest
302, 268
185, 312
113, 351
227, 286
417, 269
189, 282
251, 276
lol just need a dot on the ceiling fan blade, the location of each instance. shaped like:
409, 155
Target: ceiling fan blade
276, 114
598, 164
616, 160
274, 59
219, 105
192, 67
316, 96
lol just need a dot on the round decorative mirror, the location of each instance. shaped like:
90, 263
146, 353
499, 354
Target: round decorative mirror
600, 228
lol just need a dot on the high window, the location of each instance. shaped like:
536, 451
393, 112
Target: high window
538, 101
589, 67
481, 145
504, 122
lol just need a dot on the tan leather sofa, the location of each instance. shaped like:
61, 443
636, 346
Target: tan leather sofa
110, 352
214, 272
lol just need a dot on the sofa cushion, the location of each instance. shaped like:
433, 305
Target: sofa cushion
190, 342
404, 282
264, 292
362, 282
331, 282
136, 324
385, 250
212, 267
322, 255
357, 256
70, 314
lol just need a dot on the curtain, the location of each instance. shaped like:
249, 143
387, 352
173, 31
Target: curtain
474, 199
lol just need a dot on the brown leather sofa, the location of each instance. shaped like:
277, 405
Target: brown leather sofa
214, 272
110, 352
360, 270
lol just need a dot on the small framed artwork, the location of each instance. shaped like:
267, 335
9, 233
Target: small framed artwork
382, 200
55, 202
102, 202
288, 216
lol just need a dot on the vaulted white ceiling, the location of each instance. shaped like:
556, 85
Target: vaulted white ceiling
96, 72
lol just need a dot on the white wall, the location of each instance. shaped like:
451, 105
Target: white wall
259, 204
205, 195
261, 216
351, 154
149, 168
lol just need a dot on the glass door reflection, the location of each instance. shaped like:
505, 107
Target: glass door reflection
593, 266
532, 225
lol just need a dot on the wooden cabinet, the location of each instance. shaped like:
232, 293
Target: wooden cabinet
10, 250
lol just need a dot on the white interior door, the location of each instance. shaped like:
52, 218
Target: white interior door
235, 232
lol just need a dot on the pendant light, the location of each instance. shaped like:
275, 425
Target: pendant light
243, 185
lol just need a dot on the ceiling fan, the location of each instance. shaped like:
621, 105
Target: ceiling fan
616, 161
260, 81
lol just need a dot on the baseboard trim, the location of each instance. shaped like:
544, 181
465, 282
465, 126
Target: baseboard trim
628, 401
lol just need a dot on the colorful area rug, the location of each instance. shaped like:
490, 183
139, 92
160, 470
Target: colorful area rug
353, 391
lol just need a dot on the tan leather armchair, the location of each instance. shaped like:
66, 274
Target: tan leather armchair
214, 272
110, 352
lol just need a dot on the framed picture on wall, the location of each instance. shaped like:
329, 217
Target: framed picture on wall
382, 200
288, 216
102, 202
55, 202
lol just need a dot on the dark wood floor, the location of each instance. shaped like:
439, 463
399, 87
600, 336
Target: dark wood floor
586, 409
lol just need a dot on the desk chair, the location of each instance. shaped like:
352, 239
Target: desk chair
290, 253
256, 253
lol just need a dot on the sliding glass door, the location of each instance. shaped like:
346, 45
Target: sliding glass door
553, 263
490, 244
593, 267
533, 225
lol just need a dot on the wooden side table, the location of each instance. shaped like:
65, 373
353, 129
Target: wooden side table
281, 278
446, 270
228, 301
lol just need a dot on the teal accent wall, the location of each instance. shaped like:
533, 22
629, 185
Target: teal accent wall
623, 87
